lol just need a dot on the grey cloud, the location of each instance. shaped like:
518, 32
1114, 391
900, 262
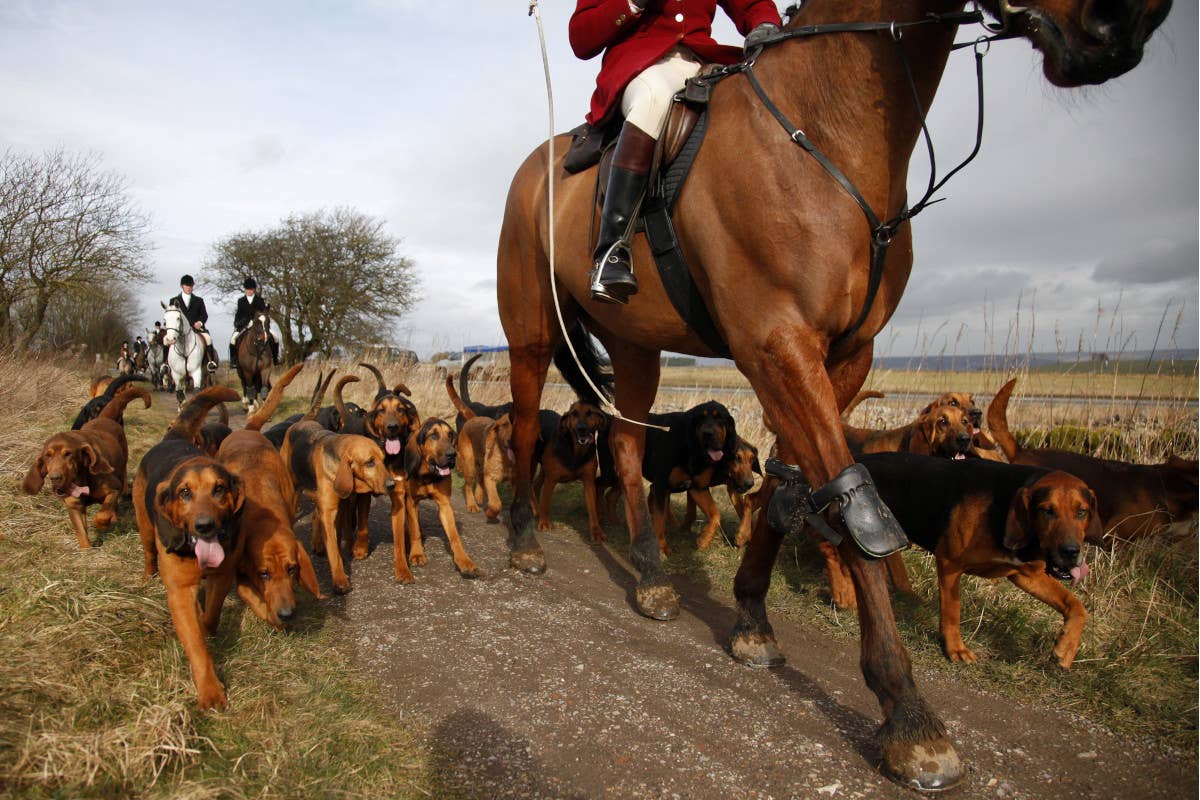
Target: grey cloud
1156, 261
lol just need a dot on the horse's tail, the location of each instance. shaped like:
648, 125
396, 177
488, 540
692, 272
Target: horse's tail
319, 394
997, 419
116, 406
383, 389
263, 415
463, 408
338, 402
591, 361
188, 423
858, 398
463, 377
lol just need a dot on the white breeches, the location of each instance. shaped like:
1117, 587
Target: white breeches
647, 98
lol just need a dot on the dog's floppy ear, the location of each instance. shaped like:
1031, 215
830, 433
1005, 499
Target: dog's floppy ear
1017, 527
308, 578
36, 477
755, 466
921, 439
95, 463
173, 536
1095, 530
239, 497
343, 481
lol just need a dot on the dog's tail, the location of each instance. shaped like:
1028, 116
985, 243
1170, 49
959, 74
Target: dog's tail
592, 361
858, 398
383, 389
463, 377
187, 424
222, 414
103, 400
319, 394
463, 408
338, 402
116, 406
997, 419
263, 414
94, 389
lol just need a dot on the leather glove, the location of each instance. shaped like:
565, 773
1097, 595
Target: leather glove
760, 34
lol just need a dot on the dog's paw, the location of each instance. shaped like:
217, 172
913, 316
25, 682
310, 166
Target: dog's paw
961, 653
418, 560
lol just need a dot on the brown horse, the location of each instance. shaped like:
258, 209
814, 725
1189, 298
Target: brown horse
254, 362
780, 253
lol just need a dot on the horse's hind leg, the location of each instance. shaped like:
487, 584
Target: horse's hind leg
786, 369
635, 381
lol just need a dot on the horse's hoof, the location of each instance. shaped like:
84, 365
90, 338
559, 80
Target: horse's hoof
532, 561
756, 650
931, 766
658, 601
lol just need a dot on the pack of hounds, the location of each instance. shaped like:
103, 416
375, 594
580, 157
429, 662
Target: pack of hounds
218, 507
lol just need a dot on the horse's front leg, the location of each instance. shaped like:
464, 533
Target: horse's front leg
635, 376
787, 370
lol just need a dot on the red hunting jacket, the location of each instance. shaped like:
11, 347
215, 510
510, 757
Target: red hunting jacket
632, 42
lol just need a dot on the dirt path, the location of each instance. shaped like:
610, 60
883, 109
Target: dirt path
554, 687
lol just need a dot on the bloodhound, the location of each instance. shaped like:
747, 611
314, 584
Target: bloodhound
568, 452
994, 520
88, 466
465, 403
1134, 499
429, 456
340, 472
700, 444
737, 476
390, 422
273, 560
187, 508
485, 460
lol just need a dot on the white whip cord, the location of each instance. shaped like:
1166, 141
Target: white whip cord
605, 404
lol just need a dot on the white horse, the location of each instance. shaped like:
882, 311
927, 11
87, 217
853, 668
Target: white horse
154, 362
185, 351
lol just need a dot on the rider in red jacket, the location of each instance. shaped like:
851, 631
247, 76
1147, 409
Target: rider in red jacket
651, 47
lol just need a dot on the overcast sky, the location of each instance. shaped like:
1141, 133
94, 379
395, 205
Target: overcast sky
1079, 217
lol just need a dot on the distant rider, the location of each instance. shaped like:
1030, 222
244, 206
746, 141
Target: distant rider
196, 314
248, 308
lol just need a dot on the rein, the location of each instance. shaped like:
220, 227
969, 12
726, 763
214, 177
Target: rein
883, 231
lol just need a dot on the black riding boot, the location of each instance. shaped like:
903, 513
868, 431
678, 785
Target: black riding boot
233, 353
612, 279
213, 361
274, 351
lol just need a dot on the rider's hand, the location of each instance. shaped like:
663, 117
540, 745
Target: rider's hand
760, 34
197, 325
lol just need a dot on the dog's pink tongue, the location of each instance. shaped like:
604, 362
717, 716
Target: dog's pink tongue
716, 455
80, 491
209, 554
1080, 572
392, 447
443, 471
959, 457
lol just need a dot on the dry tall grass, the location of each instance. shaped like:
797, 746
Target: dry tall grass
95, 695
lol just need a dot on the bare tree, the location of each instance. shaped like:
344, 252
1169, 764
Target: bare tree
98, 318
66, 226
333, 279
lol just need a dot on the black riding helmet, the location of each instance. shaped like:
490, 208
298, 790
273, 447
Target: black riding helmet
186, 280
249, 283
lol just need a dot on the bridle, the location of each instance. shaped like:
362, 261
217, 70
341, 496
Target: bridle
178, 328
884, 230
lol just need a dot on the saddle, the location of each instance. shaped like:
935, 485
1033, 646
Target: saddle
683, 134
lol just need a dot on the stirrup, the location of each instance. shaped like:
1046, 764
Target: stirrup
212, 366
613, 291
